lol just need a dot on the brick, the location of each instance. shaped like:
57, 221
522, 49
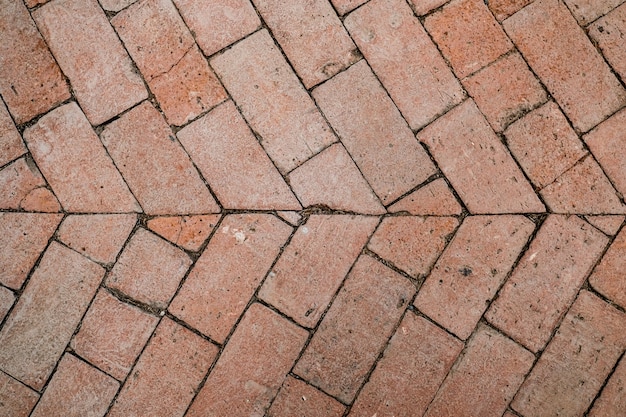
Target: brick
609, 224
6, 302
355, 329
225, 277
546, 280
115, 5
16, 400
332, 179
22, 182
422, 7
91, 55
467, 35
291, 217
611, 402
234, 163
42, 200
298, 398
344, 6
76, 390
405, 60
502, 9
586, 11
374, 133
417, 359
62, 144
559, 52
608, 33
433, 199
312, 37
113, 334
544, 144
273, 101
31, 82
313, 265
23, 236
485, 379
252, 367
607, 142
477, 165
11, 144
412, 244
167, 373
608, 276
149, 269
583, 189
218, 23
188, 232
44, 318
154, 164
573, 367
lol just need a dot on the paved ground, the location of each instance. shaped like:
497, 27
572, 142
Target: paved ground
312, 208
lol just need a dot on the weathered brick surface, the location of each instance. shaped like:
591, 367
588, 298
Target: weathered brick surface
433, 199
608, 276
11, 144
16, 400
609, 224
115, 5
612, 402
297, 398
422, 7
608, 32
586, 11
188, 232
505, 8
7, 298
344, 6
22, 185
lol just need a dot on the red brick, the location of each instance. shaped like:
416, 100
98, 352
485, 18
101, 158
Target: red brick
167, 374
609, 224
63, 144
76, 390
11, 144
6, 302
113, 334
612, 402
608, 33
422, 7
312, 267
115, 5
417, 359
344, 6
560, 53
149, 269
608, 276
374, 133
156, 167
218, 23
41, 199
291, 217
471, 270
485, 379
502, 9
22, 238
468, 35
20, 181
412, 244
91, 55
477, 165
188, 232
273, 101
16, 400
546, 280
583, 189
252, 367
225, 277
574, 365
297, 398
44, 318
544, 144
332, 179
586, 11
355, 329
31, 82
234, 163
433, 199
405, 60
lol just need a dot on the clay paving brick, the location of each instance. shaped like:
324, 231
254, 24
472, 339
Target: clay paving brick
16, 400
574, 365
225, 277
412, 244
30, 82
433, 199
234, 163
608, 276
45, 316
344, 6
62, 144
297, 398
477, 164
505, 8
252, 367
405, 59
355, 329
188, 232
167, 374
273, 101
374, 133
291, 217
21, 181
149, 269
422, 7
485, 379
113, 334
312, 267
546, 280
22, 238
11, 144
40, 199
156, 167
471, 270
92, 57
559, 52
612, 402
609, 224
608, 33
115, 5
468, 35
417, 359
586, 11
76, 390
6, 302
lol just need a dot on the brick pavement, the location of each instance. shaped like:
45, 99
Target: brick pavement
312, 208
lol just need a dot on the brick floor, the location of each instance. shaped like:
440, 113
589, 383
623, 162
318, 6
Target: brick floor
312, 208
